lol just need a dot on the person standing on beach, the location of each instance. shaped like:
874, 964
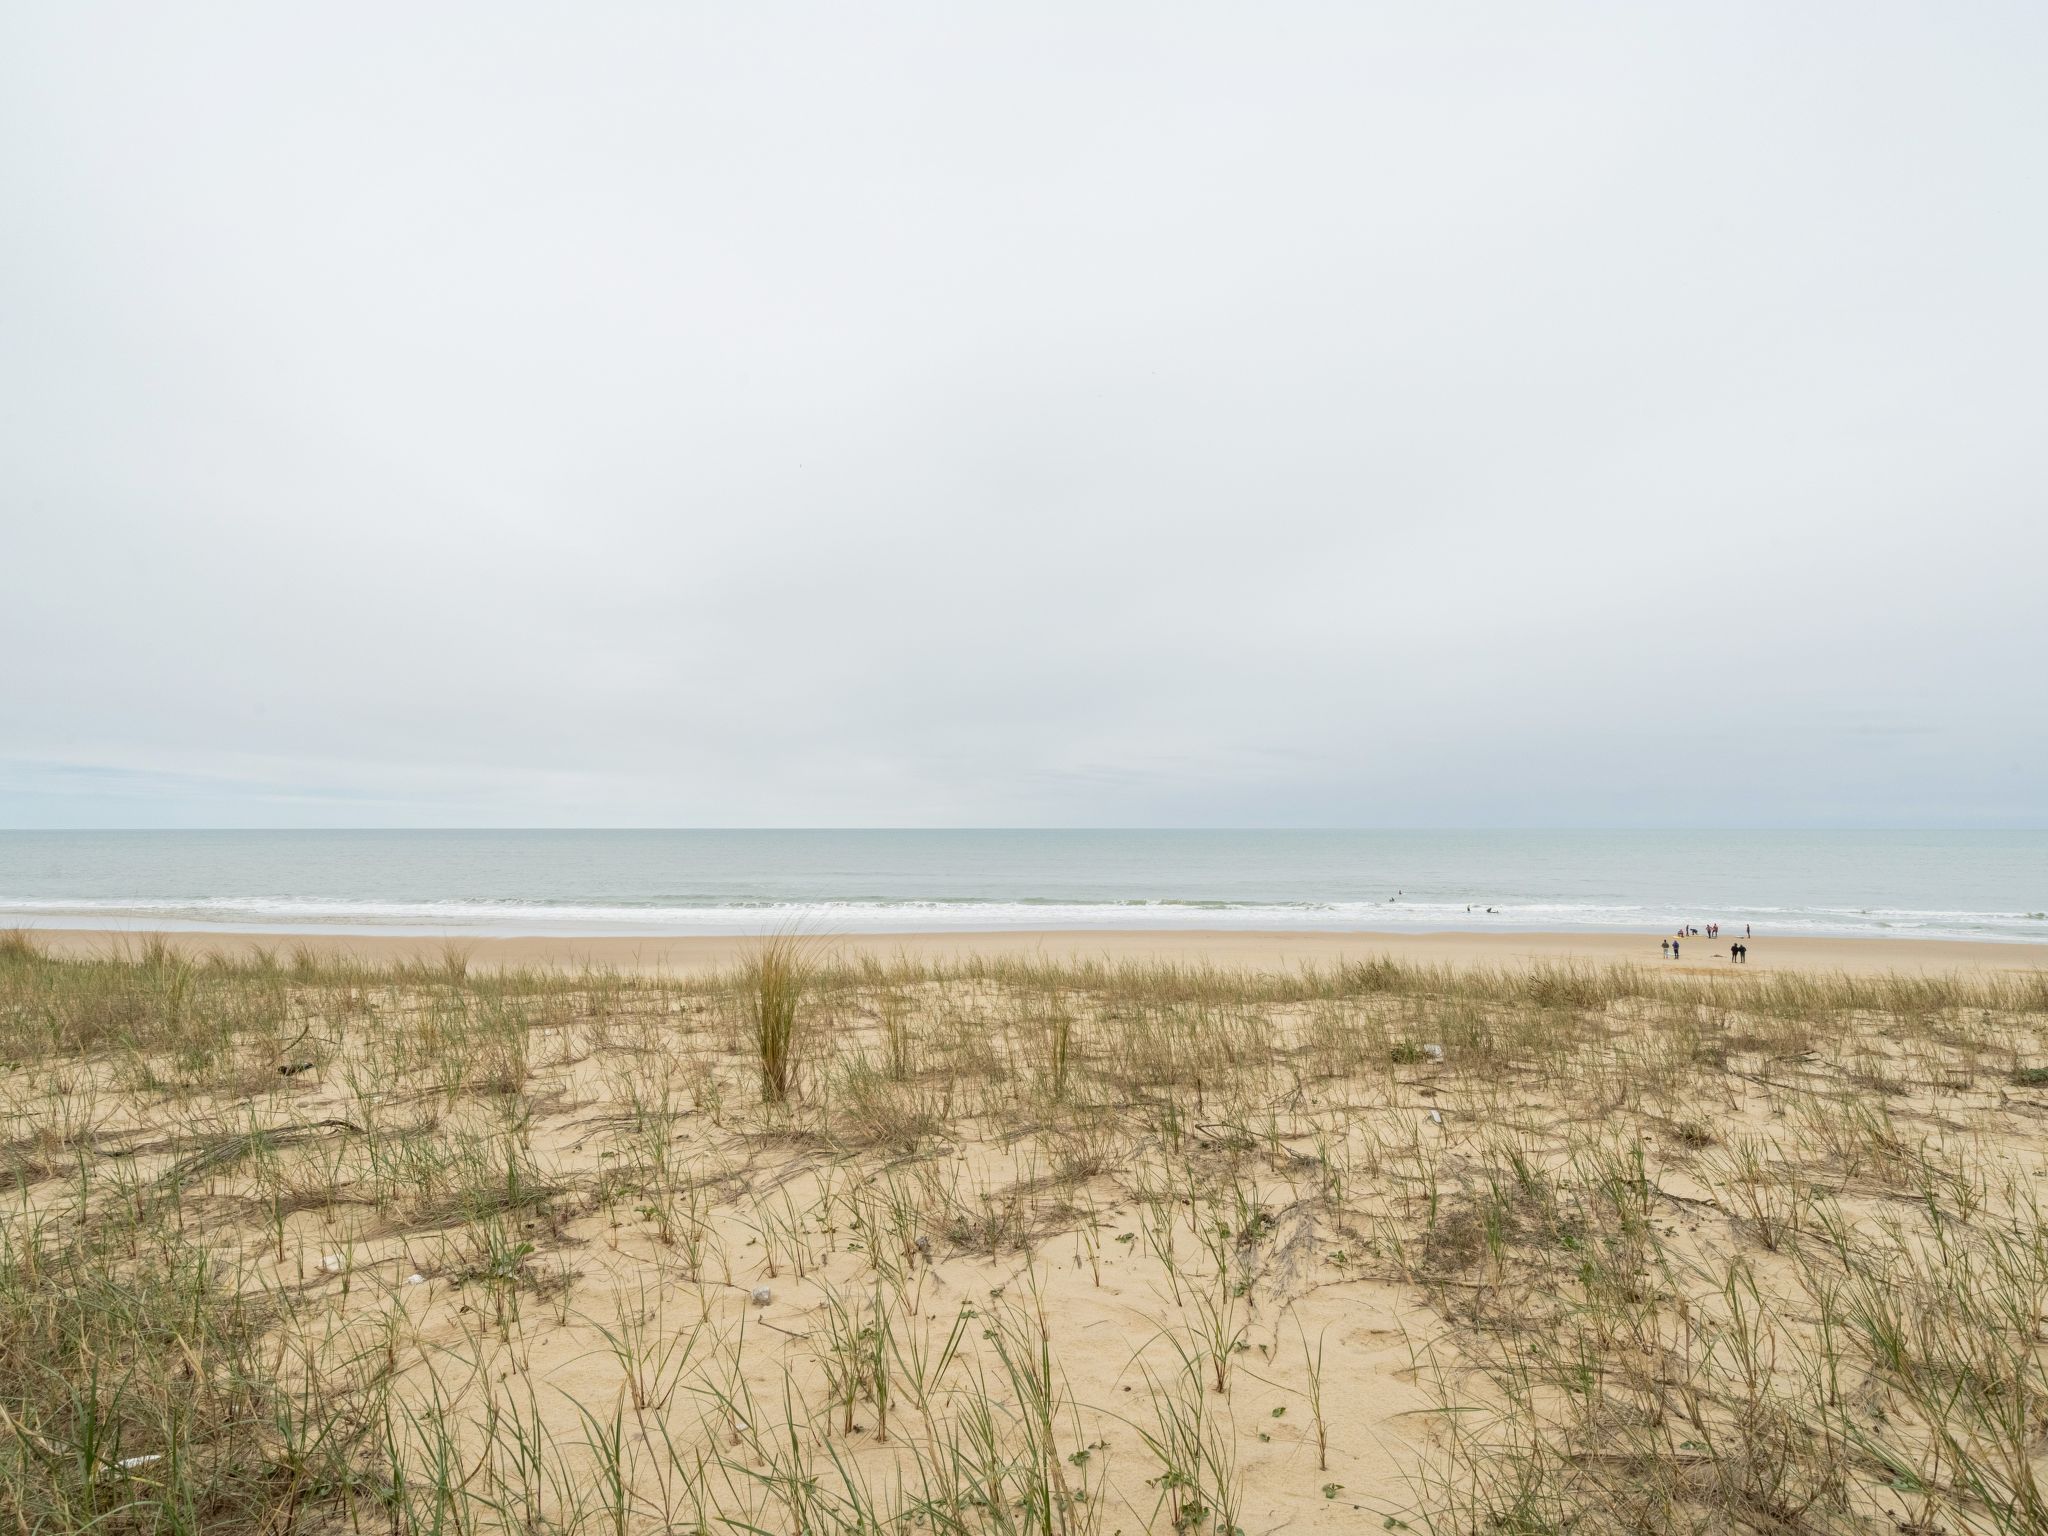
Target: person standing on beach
1674, 949
1665, 945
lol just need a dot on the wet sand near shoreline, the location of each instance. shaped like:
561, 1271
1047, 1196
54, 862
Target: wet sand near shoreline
1231, 950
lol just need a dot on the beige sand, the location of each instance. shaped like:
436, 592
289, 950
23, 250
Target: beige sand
515, 1215
1229, 949
558, 1201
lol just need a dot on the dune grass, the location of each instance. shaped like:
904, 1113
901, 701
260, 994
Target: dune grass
774, 978
291, 1243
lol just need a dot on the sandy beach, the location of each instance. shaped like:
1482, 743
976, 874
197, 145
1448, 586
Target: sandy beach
1234, 950
817, 1251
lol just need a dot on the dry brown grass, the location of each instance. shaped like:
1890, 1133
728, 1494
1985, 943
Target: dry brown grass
1076, 1249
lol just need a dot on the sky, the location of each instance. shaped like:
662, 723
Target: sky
1054, 414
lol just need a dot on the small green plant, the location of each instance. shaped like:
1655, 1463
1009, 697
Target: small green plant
1313, 1360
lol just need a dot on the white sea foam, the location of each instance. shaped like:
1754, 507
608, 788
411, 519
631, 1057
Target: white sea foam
505, 917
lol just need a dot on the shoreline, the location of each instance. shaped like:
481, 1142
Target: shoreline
1230, 949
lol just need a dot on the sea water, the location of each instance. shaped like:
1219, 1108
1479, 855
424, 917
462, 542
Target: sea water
1953, 885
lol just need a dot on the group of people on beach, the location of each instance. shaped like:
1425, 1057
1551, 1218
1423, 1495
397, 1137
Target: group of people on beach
1738, 952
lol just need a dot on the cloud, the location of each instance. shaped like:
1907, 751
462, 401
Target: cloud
1100, 415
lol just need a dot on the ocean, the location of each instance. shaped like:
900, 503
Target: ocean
1939, 885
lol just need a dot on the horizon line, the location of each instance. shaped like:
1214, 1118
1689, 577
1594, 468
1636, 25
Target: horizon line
1084, 827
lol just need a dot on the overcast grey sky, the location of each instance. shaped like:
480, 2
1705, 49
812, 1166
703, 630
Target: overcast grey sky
756, 414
